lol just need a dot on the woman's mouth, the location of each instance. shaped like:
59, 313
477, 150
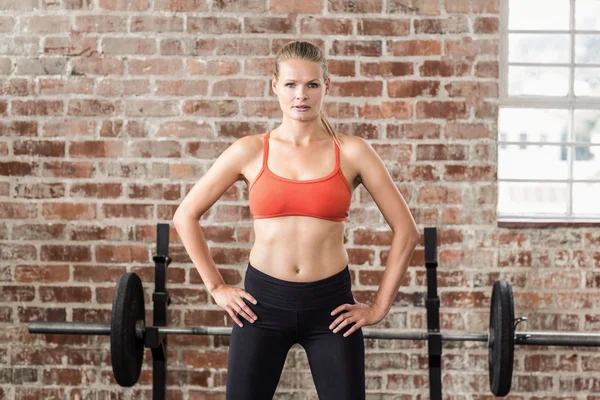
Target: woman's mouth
303, 108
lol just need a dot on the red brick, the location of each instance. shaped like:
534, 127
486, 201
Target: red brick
16, 87
400, 48
357, 89
37, 107
18, 128
261, 108
441, 109
127, 210
155, 66
40, 190
155, 149
18, 211
14, 168
239, 129
96, 149
128, 45
93, 107
487, 69
441, 25
402, 88
470, 173
473, 92
458, 130
277, 25
486, 25
121, 254
418, 7
59, 86
82, 169
383, 27
325, 26
359, 7
73, 45
387, 68
42, 273
65, 253
469, 47
96, 190
41, 148
296, 7
156, 24
31, 314
124, 87
183, 129
46, 231
438, 194
96, 65
220, 108
387, 109
69, 211
123, 5
100, 23
441, 152
17, 293
242, 47
445, 68
365, 48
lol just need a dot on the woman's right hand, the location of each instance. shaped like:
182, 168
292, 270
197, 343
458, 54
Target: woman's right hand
231, 300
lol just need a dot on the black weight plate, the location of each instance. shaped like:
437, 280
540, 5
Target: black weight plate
126, 351
502, 336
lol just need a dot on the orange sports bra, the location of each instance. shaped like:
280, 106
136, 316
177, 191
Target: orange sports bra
272, 195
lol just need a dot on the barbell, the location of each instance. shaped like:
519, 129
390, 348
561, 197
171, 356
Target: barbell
127, 331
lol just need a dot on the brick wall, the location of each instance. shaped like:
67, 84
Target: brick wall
111, 110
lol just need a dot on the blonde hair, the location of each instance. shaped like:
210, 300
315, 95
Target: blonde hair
300, 50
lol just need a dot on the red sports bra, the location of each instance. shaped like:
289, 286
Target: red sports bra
272, 195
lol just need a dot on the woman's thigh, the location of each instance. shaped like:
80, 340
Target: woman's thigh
257, 353
337, 363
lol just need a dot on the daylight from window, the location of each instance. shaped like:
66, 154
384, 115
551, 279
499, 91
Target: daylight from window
549, 118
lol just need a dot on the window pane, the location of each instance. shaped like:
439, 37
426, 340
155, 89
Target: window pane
532, 162
587, 82
587, 126
587, 163
587, 49
550, 125
532, 198
538, 14
545, 81
586, 15
585, 198
529, 47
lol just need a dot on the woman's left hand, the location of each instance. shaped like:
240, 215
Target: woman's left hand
360, 314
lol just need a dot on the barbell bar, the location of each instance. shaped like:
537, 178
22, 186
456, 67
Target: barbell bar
128, 331
522, 338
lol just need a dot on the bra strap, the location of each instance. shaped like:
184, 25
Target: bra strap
337, 154
266, 149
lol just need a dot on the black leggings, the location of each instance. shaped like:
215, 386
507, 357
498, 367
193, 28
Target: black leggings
289, 313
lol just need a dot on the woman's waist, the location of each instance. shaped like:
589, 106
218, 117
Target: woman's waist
299, 295
305, 264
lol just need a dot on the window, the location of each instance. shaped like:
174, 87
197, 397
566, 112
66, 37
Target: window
550, 107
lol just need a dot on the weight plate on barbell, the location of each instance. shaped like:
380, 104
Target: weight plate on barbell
502, 338
126, 351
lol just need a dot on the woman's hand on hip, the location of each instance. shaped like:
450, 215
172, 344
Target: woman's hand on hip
359, 314
231, 300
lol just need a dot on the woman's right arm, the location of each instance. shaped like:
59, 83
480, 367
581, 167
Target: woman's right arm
225, 171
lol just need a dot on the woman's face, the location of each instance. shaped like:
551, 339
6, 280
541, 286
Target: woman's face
300, 84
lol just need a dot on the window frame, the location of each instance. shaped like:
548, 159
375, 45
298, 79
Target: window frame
569, 103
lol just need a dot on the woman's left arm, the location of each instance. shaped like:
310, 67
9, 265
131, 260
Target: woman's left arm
378, 182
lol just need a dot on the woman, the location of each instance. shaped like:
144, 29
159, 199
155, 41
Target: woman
300, 176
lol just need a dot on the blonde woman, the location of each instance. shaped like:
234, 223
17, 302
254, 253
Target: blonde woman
297, 286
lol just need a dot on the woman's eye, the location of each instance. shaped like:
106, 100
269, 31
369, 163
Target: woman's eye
312, 84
